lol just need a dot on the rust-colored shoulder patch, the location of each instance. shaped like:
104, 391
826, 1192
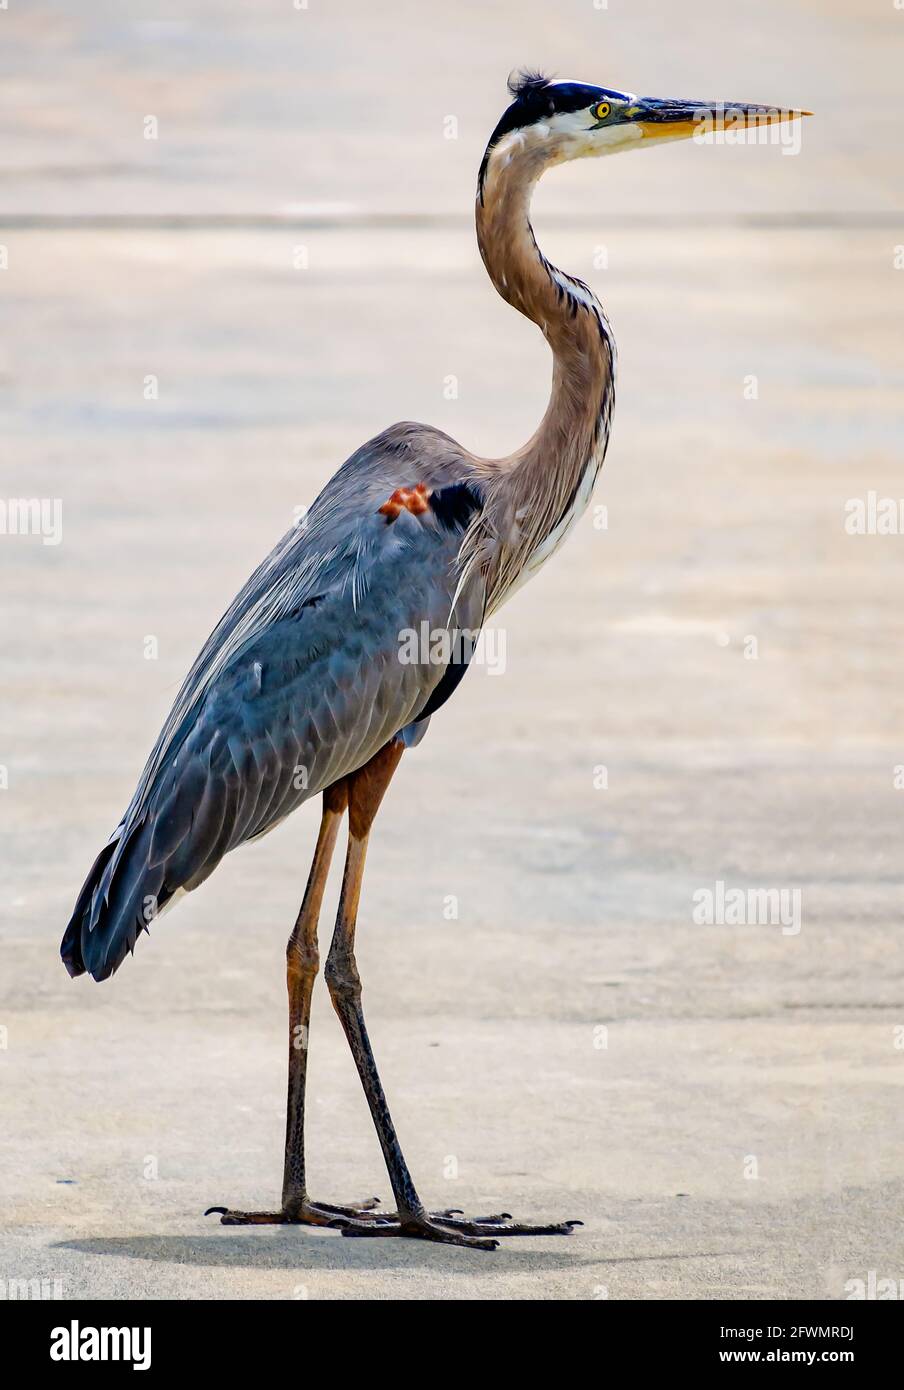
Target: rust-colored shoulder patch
405, 499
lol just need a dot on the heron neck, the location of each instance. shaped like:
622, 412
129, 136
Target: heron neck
544, 484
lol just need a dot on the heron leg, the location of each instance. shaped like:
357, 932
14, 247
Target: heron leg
365, 792
302, 963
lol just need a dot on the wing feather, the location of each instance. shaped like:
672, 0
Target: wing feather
299, 684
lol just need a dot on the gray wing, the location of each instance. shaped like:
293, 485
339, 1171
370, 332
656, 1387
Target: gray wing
307, 675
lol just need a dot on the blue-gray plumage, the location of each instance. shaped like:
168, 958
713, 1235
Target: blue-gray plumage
300, 683
306, 685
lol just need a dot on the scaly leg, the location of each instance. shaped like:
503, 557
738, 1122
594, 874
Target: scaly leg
365, 792
302, 963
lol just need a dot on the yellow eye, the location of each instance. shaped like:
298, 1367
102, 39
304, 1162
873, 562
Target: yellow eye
602, 110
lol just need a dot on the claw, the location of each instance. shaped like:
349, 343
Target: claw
216, 1211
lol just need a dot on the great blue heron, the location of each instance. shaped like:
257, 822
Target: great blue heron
301, 688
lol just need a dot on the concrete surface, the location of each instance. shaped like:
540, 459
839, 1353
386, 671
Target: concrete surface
740, 1135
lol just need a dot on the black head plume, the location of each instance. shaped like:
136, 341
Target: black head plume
526, 82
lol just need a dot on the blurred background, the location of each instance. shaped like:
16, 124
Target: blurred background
239, 241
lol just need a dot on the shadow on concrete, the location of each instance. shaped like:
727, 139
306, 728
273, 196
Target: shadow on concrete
281, 1249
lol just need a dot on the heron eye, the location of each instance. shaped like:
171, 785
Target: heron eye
602, 110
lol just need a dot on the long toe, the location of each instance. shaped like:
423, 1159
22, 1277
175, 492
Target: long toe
363, 1211
419, 1228
249, 1218
502, 1225
454, 1216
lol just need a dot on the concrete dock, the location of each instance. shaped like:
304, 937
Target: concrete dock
703, 688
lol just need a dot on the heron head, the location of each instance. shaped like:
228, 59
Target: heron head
550, 121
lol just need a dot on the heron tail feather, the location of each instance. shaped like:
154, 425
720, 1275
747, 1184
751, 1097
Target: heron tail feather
120, 896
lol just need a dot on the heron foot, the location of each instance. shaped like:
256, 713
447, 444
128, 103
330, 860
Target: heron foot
501, 1224
451, 1227
301, 1213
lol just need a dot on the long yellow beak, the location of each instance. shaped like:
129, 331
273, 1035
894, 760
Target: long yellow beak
682, 120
